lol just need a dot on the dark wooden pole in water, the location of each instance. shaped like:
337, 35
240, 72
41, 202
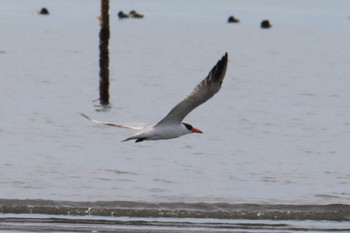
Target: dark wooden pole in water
104, 53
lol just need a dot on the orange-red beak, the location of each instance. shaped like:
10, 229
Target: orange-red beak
194, 130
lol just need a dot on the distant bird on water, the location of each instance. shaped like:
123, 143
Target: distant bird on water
171, 126
44, 11
265, 24
132, 14
232, 19
122, 15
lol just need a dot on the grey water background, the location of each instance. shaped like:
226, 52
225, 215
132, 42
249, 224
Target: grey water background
277, 132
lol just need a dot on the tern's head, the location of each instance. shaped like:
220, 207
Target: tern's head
191, 129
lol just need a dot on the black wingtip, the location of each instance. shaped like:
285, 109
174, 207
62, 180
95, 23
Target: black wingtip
225, 57
219, 69
223, 61
140, 140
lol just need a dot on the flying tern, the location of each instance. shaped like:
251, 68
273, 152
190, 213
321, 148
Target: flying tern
171, 126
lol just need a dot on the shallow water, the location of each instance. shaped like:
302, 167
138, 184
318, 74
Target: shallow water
117, 216
25, 223
276, 133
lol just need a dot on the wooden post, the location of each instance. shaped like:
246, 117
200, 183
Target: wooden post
104, 53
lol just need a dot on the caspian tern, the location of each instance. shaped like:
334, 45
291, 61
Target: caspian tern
171, 126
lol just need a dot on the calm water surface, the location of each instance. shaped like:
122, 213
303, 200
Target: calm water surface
276, 133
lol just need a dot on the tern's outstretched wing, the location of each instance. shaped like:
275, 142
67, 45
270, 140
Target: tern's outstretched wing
138, 126
201, 93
